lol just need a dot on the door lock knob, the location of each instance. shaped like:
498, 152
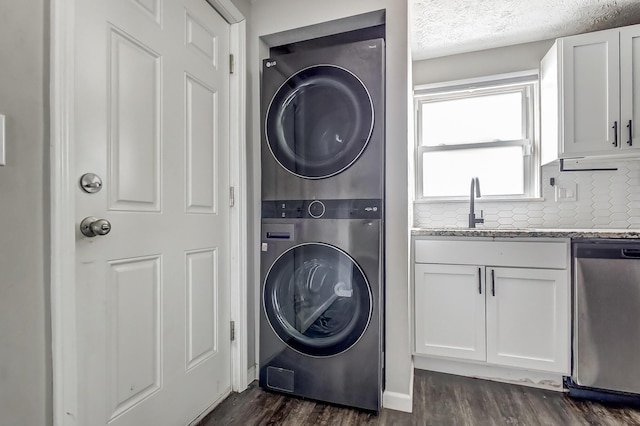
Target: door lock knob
91, 226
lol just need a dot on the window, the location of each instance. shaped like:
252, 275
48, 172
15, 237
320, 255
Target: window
481, 128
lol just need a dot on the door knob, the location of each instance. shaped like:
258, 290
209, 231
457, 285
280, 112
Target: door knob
91, 226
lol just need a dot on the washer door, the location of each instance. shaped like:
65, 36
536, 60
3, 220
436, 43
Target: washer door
317, 299
319, 121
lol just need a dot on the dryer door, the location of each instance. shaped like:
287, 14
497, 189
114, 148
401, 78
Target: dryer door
317, 299
319, 121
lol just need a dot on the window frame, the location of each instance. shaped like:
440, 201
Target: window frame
526, 82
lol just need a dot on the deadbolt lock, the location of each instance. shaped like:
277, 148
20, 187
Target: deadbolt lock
90, 183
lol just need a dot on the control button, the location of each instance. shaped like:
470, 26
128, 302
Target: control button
316, 209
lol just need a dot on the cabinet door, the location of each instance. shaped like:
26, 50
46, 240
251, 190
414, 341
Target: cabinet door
590, 93
630, 87
528, 318
450, 311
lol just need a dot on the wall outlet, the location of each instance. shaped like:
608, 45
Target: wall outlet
567, 192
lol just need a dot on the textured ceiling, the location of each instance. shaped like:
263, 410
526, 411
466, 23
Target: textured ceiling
446, 27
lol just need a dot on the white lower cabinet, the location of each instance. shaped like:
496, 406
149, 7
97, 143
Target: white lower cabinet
527, 316
512, 316
450, 311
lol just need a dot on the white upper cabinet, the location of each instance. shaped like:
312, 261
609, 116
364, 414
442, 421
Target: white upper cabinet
590, 74
630, 86
589, 94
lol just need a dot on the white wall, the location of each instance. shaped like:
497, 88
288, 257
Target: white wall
244, 6
274, 16
484, 62
25, 338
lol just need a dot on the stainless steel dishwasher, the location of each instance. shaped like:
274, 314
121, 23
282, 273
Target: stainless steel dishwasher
606, 326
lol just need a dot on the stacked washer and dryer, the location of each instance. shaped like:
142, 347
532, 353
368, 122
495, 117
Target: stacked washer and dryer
321, 316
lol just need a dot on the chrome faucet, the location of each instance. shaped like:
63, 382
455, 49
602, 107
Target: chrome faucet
475, 183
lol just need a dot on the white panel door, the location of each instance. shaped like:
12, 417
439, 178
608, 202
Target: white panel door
630, 87
450, 311
528, 318
151, 119
591, 93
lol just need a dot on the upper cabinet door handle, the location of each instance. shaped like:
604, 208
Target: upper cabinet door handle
615, 133
630, 141
493, 282
480, 280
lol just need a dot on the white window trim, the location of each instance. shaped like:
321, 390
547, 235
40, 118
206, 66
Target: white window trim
448, 90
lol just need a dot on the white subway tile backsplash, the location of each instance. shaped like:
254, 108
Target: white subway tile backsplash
620, 208
602, 213
534, 207
619, 217
536, 222
603, 200
602, 221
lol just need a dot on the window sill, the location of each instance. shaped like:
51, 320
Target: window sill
478, 200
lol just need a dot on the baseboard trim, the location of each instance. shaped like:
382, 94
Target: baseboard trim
537, 379
399, 401
252, 374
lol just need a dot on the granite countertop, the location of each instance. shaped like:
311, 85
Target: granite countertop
525, 233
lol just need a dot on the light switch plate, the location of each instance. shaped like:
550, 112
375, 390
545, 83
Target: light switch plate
2, 138
567, 192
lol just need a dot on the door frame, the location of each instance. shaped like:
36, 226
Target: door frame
62, 199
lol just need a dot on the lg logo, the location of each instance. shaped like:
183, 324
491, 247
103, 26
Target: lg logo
271, 64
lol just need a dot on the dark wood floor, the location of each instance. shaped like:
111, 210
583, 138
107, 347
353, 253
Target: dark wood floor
439, 399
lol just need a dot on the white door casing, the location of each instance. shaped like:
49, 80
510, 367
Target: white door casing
136, 364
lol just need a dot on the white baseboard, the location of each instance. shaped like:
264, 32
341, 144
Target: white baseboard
537, 379
399, 401
252, 374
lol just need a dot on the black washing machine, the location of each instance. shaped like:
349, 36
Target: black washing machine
321, 300
323, 123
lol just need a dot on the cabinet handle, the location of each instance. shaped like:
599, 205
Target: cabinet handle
615, 133
480, 280
630, 141
493, 282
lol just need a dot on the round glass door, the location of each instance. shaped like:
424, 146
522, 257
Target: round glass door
317, 299
319, 121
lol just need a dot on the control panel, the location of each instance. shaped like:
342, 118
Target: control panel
322, 209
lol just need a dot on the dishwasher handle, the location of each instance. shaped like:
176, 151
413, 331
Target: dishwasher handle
631, 253
607, 249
